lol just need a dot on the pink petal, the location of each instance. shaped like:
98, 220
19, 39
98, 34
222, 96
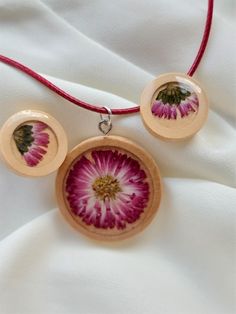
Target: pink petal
169, 112
173, 112
39, 126
182, 110
194, 99
34, 152
40, 150
190, 107
156, 105
84, 168
31, 160
41, 139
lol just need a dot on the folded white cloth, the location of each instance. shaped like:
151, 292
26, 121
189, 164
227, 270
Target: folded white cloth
105, 52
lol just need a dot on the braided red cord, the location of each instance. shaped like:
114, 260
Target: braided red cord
88, 106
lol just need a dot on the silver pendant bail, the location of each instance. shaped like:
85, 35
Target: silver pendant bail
105, 125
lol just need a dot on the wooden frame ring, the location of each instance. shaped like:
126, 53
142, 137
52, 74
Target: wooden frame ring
174, 106
108, 188
33, 143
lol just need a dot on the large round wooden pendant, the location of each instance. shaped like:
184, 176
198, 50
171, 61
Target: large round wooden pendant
174, 106
108, 188
33, 143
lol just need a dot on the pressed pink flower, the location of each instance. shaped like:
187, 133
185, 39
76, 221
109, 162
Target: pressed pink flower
173, 100
107, 189
32, 142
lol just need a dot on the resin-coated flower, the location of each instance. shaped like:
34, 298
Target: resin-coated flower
107, 189
32, 142
173, 100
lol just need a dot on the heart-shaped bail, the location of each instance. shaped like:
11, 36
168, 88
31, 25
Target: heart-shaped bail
105, 125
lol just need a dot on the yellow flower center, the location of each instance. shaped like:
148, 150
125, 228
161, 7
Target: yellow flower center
106, 187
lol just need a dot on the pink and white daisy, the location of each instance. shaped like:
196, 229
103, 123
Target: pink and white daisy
175, 100
107, 189
32, 142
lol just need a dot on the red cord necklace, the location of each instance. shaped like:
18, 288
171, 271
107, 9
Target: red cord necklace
108, 187
100, 109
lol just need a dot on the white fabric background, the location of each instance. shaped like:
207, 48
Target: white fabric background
105, 52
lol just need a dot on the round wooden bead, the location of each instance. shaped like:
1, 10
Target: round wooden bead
33, 143
108, 188
174, 106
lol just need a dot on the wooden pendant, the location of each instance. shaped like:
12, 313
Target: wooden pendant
108, 188
33, 143
174, 106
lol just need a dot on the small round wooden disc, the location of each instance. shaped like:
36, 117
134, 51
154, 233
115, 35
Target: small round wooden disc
108, 188
174, 106
33, 143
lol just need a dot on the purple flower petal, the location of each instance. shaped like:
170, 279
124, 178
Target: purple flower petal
30, 159
155, 107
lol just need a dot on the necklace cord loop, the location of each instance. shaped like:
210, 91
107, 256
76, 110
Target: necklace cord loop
108, 118
103, 110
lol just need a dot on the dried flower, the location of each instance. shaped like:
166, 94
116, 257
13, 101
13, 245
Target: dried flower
107, 189
31, 142
174, 100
